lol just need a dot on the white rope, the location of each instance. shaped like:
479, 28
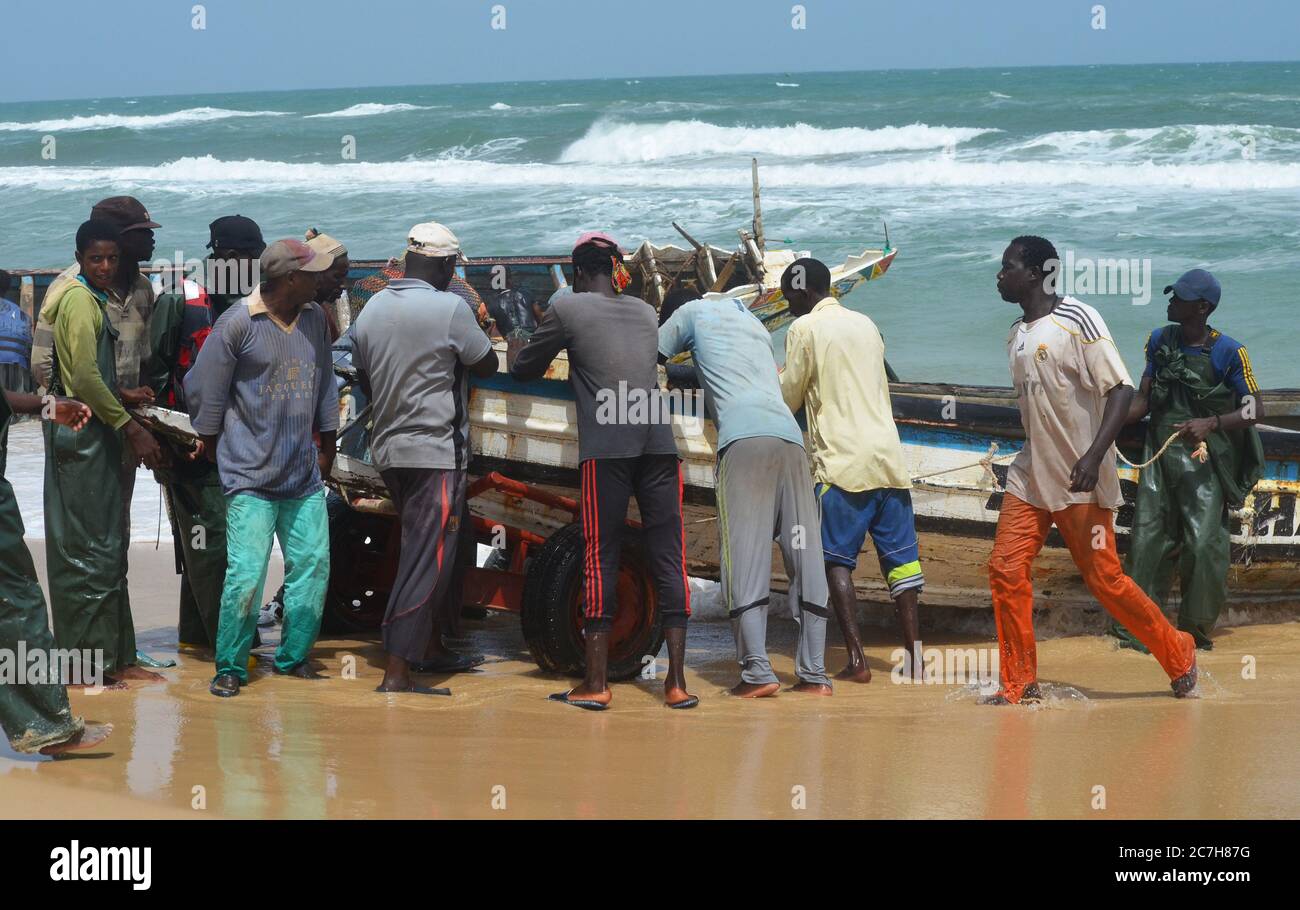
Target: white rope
1202, 453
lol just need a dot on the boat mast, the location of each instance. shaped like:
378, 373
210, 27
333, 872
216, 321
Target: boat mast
759, 240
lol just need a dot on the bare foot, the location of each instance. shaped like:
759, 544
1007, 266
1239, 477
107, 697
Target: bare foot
851, 673
140, 673
755, 690
678, 697
91, 736
812, 688
108, 685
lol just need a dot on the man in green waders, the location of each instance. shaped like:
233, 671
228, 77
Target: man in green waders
85, 539
182, 319
34, 714
1198, 383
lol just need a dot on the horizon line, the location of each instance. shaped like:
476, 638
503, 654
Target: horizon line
570, 79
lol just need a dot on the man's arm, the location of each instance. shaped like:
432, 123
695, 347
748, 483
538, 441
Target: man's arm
76, 333
1083, 479
535, 356
67, 411
1141, 404
164, 329
211, 376
795, 374
1240, 378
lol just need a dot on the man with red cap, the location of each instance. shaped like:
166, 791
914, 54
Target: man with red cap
613, 345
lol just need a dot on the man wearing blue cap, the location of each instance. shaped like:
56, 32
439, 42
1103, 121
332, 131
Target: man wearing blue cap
1198, 383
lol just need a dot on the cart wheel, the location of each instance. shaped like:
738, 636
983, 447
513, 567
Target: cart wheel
361, 576
551, 611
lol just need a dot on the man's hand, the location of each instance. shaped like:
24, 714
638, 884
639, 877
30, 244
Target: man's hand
325, 460
137, 397
208, 445
70, 413
1198, 429
142, 444
197, 452
1083, 479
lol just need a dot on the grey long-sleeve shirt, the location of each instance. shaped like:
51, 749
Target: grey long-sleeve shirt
265, 387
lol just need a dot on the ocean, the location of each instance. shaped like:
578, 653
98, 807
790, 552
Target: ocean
1163, 167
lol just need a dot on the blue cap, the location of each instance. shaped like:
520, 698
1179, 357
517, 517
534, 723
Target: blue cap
1197, 284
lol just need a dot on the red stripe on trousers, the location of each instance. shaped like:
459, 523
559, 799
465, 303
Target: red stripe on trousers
589, 533
595, 513
442, 536
686, 585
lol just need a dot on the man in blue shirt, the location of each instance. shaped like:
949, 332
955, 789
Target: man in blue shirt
763, 487
15, 341
262, 385
1199, 384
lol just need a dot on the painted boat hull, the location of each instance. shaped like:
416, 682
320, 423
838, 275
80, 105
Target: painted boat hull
528, 431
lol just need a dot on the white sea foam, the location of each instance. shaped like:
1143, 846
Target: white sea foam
208, 174
369, 109
133, 121
500, 106
611, 142
788, 84
1182, 143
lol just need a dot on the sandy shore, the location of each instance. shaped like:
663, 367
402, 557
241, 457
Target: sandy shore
337, 749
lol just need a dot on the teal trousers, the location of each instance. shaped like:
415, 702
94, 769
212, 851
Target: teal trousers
302, 527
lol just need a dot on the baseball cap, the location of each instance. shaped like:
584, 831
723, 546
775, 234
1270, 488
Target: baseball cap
598, 237
285, 257
432, 239
235, 232
1197, 284
126, 212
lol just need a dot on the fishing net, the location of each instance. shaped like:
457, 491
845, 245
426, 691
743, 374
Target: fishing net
364, 288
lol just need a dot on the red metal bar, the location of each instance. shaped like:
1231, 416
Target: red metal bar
497, 481
514, 535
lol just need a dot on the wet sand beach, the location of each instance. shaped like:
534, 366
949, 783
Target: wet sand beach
288, 748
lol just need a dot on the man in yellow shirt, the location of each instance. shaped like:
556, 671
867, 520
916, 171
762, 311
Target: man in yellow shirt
835, 368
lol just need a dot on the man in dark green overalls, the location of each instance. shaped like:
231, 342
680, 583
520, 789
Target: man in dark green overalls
1198, 383
34, 715
84, 535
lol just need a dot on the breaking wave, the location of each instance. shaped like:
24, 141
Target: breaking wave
208, 174
134, 121
369, 109
609, 142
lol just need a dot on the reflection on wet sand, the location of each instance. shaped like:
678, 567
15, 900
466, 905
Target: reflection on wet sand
289, 748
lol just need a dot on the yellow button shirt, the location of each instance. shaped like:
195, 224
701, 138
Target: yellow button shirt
835, 367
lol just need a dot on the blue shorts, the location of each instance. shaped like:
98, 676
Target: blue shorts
886, 515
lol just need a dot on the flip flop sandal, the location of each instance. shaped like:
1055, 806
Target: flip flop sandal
458, 664
413, 690
684, 703
586, 703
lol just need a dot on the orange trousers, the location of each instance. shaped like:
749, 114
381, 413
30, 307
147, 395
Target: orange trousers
1089, 532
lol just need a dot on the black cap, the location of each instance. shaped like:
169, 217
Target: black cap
235, 232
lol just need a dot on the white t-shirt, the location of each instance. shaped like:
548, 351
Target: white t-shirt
1063, 365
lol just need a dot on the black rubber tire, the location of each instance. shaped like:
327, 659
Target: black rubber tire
552, 597
357, 595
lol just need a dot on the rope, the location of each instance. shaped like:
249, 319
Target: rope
1202, 454
986, 462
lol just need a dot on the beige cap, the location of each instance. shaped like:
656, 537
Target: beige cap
324, 243
287, 256
432, 239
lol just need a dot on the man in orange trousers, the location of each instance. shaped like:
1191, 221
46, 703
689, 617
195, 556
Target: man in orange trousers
1074, 394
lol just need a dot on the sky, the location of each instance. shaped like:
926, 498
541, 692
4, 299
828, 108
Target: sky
95, 49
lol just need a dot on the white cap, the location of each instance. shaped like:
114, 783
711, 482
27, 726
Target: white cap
432, 239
